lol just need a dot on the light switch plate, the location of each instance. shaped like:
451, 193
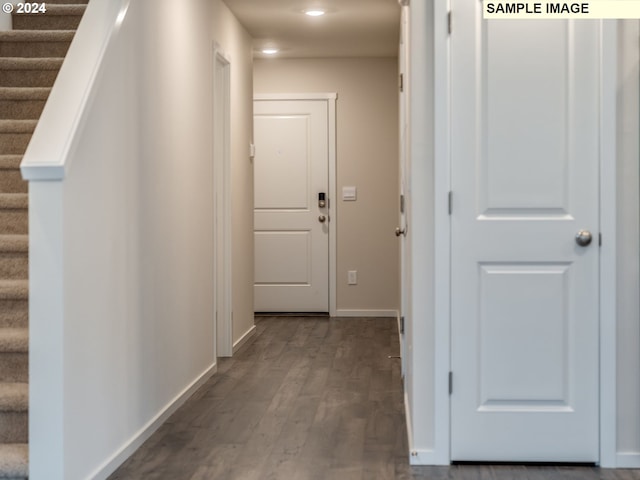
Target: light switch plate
349, 194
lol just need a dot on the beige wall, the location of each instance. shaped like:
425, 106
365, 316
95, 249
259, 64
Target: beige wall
236, 44
367, 158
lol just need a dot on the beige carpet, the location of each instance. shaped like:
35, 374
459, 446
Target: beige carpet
30, 58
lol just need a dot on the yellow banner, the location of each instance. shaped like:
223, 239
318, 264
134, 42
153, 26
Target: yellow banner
586, 9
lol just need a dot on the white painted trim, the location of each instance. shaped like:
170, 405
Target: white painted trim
627, 460
608, 228
296, 96
416, 457
330, 98
223, 293
244, 338
442, 237
346, 312
110, 466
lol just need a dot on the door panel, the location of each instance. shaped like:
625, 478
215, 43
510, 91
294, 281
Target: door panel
291, 169
524, 146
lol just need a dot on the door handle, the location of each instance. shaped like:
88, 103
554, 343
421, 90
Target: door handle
401, 231
322, 218
583, 238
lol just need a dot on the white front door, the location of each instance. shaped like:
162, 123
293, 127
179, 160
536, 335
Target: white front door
525, 159
291, 176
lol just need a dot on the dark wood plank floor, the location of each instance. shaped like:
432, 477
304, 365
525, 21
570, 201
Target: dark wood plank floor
308, 398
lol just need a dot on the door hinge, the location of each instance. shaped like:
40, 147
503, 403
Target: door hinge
449, 27
600, 239
401, 324
450, 202
401, 82
450, 383
401, 203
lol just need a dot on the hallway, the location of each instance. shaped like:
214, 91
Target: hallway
307, 398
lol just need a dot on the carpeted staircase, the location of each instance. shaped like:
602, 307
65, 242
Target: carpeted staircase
30, 56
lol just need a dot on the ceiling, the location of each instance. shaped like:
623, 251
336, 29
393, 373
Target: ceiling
350, 28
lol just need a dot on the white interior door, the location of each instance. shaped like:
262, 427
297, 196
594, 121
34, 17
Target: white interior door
525, 156
291, 222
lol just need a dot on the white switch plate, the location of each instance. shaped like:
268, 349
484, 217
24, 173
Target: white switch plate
349, 194
352, 277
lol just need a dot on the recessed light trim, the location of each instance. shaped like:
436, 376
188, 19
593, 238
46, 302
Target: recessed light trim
270, 51
314, 12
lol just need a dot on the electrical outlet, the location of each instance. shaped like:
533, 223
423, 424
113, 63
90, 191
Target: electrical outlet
352, 277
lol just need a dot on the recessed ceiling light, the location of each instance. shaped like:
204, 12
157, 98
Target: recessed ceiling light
314, 12
270, 51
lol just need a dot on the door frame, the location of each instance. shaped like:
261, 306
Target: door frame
439, 452
330, 99
223, 316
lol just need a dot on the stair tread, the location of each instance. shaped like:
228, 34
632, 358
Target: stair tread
18, 126
14, 289
58, 9
14, 200
26, 63
14, 243
8, 162
14, 460
24, 93
14, 397
14, 340
37, 35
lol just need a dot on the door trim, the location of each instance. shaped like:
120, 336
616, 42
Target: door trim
330, 99
439, 452
223, 316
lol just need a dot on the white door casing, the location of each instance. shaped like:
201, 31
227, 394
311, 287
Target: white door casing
292, 230
222, 205
525, 149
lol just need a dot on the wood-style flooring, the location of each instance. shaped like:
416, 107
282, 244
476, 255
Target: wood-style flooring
308, 398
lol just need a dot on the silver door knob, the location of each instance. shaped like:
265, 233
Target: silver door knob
583, 238
322, 219
401, 231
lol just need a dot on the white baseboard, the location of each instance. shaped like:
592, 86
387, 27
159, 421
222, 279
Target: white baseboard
243, 339
345, 312
628, 460
145, 432
417, 456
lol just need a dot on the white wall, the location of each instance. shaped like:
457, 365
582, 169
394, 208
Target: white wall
122, 248
236, 43
367, 158
628, 221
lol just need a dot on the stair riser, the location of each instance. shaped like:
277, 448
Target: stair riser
14, 367
14, 222
14, 266
14, 313
14, 143
21, 109
14, 427
34, 49
11, 182
46, 22
27, 78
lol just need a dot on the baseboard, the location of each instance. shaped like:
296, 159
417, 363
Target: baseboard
145, 432
243, 339
345, 312
416, 456
628, 460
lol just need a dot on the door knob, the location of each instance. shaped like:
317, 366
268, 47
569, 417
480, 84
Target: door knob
583, 238
401, 231
322, 219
